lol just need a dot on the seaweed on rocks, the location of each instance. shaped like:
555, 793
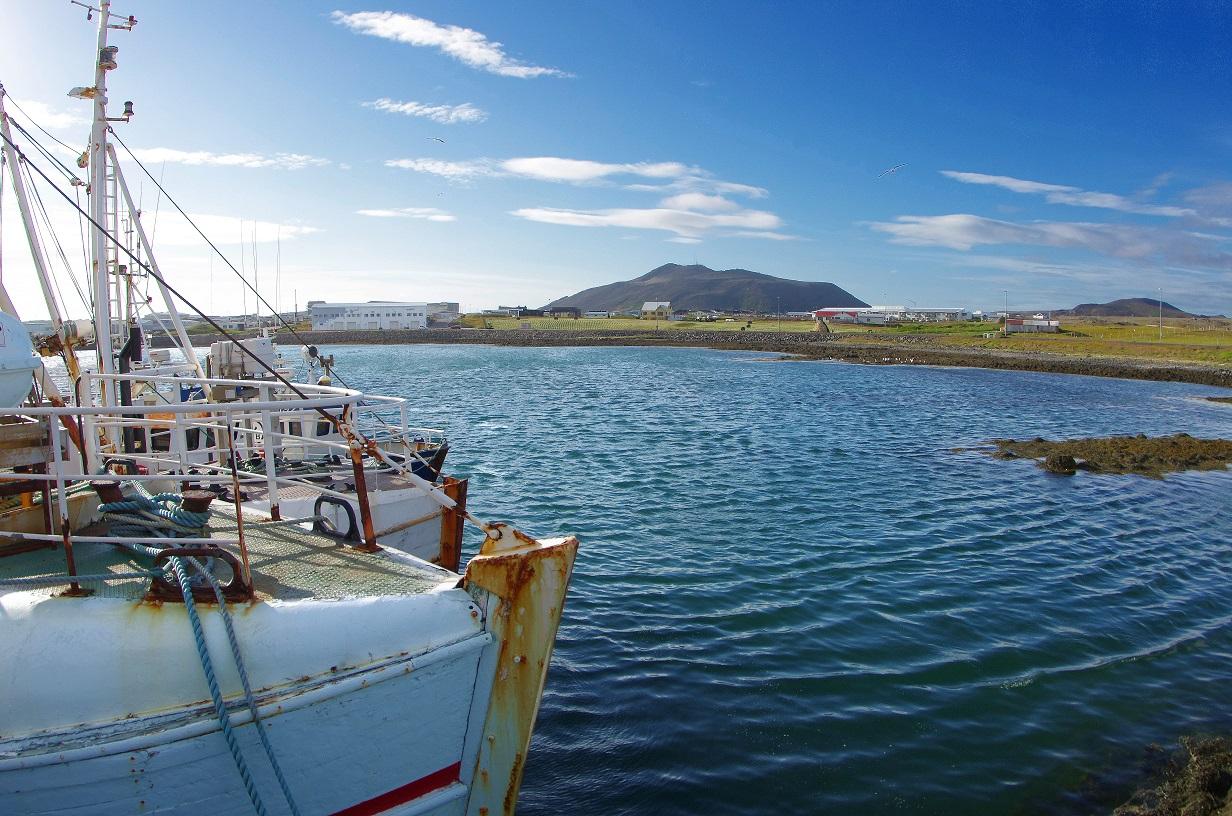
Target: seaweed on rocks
1143, 455
1197, 782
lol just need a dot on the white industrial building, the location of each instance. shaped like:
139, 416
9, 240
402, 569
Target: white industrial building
883, 315
1015, 325
371, 316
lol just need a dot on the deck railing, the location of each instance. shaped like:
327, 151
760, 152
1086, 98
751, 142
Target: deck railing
183, 437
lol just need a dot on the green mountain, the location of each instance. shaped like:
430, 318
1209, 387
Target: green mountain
699, 287
1125, 307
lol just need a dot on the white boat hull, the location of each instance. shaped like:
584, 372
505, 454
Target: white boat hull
416, 703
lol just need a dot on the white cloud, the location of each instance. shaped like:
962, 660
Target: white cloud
684, 223
549, 168
425, 213
769, 236
1125, 241
52, 118
285, 161
1073, 196
1016, 185
699, 201
443, 114
1217, 196
170, 229
456, 171
463, 44
676, 177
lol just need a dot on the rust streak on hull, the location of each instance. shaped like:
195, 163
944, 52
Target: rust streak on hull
529, 579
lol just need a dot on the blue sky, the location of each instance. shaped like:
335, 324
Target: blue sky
512, 153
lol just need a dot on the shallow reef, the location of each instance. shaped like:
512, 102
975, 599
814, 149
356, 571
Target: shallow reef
1143, 455
1195, 782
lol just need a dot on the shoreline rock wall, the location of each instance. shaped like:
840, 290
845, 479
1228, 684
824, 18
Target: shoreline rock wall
901, 350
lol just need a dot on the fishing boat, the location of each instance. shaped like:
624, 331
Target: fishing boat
182, 631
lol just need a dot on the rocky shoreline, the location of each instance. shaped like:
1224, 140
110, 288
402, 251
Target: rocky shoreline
899, 350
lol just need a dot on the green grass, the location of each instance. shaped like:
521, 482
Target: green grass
634, 324
1184, 340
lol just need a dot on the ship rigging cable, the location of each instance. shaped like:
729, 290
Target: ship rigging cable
432, 490
217, 251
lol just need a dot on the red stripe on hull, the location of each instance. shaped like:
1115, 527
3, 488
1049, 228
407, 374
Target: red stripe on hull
404, 794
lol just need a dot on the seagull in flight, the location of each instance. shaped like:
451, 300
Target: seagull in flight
436, 139
891, 170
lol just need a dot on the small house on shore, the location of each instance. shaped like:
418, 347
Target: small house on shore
656, 310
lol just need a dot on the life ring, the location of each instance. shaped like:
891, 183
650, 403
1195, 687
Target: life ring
322, 525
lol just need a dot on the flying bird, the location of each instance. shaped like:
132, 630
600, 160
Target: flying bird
437, 139
891, 170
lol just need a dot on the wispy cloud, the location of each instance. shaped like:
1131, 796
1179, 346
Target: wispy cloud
1073, 196
700, 201
550, 168
1214, 203
687, 225
425, 213
697, 207
452, 170
49, 116
285, 161
173, 230
667, 177
1125, 241
463, 44
444, 114
1216, 197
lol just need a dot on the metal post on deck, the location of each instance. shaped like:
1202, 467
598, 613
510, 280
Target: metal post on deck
271, 475
452, 524
239, 508
75, 589
361, 493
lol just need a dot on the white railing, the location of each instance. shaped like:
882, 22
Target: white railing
185, 437
193, 439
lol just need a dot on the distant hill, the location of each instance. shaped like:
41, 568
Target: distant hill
1125, 307
700, 287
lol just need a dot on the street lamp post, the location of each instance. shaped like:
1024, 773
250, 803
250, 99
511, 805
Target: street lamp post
1005, 315
1161, 314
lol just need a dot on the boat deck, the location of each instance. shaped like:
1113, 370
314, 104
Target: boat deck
288, 562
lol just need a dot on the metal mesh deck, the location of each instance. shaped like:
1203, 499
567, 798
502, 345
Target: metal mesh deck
287, 562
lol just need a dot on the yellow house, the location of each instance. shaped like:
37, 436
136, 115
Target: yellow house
656, 310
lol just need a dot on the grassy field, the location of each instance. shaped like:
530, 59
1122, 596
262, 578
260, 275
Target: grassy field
1207, 341
634, 324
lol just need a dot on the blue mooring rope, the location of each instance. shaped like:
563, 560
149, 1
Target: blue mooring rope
249, 698
163, 515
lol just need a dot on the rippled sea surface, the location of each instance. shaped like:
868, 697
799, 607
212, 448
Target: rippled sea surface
792, 596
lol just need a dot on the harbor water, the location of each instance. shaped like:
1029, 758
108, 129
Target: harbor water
795, 596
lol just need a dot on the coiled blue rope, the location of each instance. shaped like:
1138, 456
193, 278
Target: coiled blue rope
140, 510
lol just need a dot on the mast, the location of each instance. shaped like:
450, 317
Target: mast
98, 205
100, 253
